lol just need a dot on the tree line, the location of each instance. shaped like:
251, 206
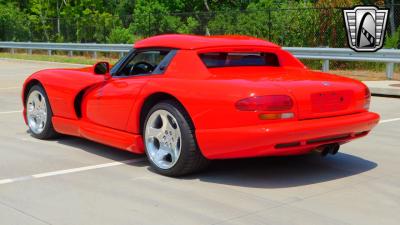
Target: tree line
286, 22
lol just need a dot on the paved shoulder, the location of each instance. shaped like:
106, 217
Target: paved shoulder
384, 87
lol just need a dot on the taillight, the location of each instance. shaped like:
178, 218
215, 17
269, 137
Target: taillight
367, 98
265, 103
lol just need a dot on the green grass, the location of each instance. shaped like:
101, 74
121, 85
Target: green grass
56, 58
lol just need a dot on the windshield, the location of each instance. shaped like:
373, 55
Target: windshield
120, 61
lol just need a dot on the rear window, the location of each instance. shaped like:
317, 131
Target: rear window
227, 59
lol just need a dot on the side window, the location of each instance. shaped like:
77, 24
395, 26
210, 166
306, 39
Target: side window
144, 62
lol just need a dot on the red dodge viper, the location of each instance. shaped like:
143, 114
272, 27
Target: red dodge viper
185, 100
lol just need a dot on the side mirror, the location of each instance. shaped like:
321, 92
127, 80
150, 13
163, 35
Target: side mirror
101, 68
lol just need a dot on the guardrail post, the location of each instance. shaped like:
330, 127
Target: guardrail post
325, 65
29, 51
70, 53
389, 70
12, 51
49, 52
121, 54
94, 55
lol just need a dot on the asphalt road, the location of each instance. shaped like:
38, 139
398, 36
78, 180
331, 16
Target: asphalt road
75, 181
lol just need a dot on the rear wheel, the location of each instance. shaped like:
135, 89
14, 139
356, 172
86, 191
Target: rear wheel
169, 141
38, 114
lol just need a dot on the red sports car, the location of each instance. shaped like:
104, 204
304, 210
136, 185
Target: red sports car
185, 100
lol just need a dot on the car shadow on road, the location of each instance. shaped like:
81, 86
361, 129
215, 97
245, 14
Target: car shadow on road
283, 172
99, 149
267, 172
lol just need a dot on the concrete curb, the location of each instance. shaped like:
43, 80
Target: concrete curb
384, 87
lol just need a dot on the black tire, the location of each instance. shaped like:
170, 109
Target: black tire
190, 159
48, 131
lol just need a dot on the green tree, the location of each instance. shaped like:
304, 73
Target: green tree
155, 17
13, 24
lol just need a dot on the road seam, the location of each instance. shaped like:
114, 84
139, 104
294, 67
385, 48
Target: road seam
24, 213
291, 204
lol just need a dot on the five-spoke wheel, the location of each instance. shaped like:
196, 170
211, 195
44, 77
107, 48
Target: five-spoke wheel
169, 140
38, 113
163, 139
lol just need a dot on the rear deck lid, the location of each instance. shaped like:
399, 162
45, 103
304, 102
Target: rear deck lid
315, 94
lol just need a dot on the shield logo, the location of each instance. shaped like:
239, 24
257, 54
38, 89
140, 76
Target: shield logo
366, 27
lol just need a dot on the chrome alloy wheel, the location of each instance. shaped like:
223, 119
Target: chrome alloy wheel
36, 112
163, 139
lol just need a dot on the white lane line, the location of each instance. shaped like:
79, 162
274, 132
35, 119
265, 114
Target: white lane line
9, 88
6, 181
389, 120
67, 171
10, 112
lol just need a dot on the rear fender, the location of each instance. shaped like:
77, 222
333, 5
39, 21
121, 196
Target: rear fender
206, 101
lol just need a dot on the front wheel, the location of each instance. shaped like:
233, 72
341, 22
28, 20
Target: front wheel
38, 114
169, 141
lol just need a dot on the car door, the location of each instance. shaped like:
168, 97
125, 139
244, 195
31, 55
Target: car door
110, 103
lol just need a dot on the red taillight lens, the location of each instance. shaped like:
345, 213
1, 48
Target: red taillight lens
265, 103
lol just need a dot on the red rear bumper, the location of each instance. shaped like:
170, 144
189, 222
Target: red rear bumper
286, 138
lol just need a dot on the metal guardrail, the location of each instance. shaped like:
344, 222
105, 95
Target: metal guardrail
388, 56
68, 47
